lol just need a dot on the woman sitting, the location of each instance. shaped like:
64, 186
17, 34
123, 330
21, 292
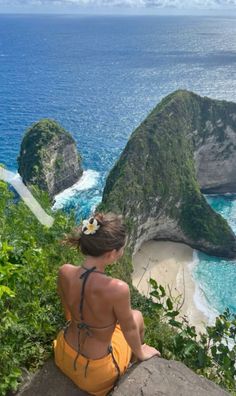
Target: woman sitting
104, 334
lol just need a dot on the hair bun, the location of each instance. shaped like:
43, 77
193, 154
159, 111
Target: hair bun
111, 235
100, 218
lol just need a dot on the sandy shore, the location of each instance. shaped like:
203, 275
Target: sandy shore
167, 263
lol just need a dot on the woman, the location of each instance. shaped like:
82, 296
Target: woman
104, 334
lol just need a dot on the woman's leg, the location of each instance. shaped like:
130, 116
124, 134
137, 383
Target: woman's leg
138, 317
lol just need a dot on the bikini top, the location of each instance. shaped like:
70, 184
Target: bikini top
82, 325
84, 276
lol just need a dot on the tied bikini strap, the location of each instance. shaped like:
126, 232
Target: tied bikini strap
84, 276
110, 350
83, 325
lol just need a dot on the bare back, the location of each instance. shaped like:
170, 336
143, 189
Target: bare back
97, 308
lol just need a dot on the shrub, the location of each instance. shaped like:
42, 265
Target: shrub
211, 354
30, 308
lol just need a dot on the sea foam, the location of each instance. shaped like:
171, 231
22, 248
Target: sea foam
88, 180
200, 298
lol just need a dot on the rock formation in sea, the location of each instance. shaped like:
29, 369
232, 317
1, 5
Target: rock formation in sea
185, 147
49, 158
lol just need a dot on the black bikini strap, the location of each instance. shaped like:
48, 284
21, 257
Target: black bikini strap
78, 352
110, 349
85, 275
86, 367
84, 326
80, 344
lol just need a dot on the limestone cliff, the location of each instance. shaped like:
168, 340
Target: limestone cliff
187, 143
49, 157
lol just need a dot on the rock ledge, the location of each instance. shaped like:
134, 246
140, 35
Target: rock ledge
154, 377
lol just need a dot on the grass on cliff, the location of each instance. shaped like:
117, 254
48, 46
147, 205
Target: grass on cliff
31, 314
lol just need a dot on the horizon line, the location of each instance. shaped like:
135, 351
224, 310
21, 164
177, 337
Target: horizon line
93, 13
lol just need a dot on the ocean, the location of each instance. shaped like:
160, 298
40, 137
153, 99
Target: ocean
99, 77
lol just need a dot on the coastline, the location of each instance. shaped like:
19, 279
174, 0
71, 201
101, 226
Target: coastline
169, 263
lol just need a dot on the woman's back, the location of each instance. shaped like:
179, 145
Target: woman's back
96, 308
95, 350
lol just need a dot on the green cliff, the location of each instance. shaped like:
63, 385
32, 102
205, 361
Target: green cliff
49, 157
156, 183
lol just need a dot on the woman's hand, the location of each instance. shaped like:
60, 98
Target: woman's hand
148, 352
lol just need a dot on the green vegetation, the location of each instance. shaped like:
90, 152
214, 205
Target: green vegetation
31, 314
30, 309
199, 219
211, 354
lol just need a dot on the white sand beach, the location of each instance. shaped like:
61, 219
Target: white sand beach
168, 264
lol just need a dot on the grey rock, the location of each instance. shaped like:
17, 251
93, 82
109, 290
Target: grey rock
154, 377
49, 381
160, 377
215, 159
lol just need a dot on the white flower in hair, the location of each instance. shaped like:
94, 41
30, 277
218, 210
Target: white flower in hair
90, 226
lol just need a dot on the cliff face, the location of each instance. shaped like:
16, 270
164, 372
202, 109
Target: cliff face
187, 143
214, 140
49, 157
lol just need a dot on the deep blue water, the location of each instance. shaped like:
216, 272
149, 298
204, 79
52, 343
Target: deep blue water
100, 77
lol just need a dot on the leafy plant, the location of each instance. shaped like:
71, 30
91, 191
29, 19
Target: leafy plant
30, 308
212, 354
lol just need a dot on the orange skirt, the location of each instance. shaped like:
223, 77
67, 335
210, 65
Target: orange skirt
95, 376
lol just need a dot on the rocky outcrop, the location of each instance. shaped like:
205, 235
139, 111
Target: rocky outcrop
160, 377
49, 158
48, 381
185, 145
154, 377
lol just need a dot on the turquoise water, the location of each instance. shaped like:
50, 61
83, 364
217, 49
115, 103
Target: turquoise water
217, 277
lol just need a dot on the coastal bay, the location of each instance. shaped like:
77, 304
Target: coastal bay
169, 264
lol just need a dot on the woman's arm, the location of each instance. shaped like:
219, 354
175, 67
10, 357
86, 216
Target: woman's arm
61, 294
123, 312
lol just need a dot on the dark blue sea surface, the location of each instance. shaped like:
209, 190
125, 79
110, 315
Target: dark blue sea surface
100, 77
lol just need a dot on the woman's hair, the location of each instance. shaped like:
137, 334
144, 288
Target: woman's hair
110, 235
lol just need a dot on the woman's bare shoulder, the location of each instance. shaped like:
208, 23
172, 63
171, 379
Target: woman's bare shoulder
118, 286
66, 269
